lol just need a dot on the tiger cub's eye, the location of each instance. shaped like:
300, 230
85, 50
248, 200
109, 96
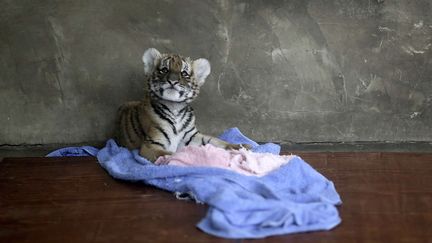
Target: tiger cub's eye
163, 70
185, 74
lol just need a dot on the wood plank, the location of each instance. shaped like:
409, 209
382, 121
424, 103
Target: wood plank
387, 197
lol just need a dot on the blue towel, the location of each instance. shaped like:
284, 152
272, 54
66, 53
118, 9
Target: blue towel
293, 198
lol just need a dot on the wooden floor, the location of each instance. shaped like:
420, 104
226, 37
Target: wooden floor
387, 197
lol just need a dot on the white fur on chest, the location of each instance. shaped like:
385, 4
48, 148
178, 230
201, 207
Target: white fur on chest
175, 116
176, 139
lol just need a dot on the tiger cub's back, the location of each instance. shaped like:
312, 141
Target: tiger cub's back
133, 124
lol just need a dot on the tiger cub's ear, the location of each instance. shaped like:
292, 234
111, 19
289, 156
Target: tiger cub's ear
150, 58
201, 69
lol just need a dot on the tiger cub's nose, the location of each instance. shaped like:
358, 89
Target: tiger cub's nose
172, 83
173, 79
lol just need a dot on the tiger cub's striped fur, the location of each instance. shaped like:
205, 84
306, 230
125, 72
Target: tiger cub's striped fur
164, 121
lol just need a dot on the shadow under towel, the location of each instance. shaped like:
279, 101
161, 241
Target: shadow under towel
293, 198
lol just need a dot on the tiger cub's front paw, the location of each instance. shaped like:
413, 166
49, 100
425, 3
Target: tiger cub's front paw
238, 146
152, 154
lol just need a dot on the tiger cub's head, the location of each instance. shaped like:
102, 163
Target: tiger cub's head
174, 78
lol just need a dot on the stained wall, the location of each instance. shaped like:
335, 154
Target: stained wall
301, 71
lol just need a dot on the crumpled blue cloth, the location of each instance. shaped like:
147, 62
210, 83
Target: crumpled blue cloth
293, 198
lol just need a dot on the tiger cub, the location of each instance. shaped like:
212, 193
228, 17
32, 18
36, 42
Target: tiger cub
164, 121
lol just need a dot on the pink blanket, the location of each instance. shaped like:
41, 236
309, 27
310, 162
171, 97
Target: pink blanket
242, 161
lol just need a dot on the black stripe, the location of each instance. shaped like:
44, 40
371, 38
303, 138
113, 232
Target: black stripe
162, 110
202, 141
134, 120
187, 122
126, 127
190, 139
156, 143
126, 124
190, 130
165, 108
131, 119
164, 133
209, 140
183, 110
162, 116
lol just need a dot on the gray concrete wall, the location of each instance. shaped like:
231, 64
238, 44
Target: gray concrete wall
302, 71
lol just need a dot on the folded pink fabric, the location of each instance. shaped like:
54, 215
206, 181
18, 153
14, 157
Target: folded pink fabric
242, 161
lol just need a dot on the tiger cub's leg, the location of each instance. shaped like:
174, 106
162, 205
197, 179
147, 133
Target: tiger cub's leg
202, 139
152, 151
